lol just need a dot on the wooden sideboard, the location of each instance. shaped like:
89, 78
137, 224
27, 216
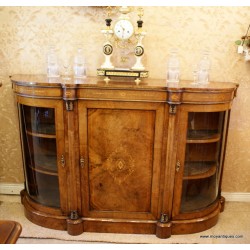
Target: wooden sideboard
121, 157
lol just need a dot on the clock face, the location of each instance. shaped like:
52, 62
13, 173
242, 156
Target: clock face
123, 29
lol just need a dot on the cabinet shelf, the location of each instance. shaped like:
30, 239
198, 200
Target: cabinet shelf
197, 202
199, 170
41, 135
44, 170
46, 162
203, 136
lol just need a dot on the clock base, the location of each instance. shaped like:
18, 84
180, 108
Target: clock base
117, 72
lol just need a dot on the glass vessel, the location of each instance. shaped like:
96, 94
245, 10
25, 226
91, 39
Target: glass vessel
173, 67
40, 154
203, 68
52, 63
79, 64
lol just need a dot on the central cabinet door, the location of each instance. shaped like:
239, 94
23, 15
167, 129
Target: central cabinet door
120, 154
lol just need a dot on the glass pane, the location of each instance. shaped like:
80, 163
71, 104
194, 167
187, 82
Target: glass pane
202, 160
198, 193
39, 120
205, 121
43, 188
40, 154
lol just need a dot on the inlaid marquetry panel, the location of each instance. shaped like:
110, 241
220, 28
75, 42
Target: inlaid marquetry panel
37, 92
120, 146
156, 96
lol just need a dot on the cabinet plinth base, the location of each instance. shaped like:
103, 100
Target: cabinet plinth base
41, 215
196, 225
54, 219
123, 226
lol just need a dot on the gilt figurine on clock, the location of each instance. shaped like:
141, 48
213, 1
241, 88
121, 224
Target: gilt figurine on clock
124, 39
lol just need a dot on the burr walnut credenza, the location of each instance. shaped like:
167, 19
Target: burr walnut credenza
122, 157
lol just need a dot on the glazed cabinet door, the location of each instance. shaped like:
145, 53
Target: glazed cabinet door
120, 155
42, 134
200, 155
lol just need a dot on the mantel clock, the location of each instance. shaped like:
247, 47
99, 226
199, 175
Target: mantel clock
121, 36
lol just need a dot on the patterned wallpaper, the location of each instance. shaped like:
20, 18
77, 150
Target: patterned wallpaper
27, 32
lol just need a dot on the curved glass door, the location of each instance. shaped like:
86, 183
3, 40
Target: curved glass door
40, 154
202, 164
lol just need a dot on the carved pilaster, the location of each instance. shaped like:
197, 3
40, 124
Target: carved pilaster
69, 95
174, 96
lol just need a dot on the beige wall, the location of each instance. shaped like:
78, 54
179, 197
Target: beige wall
26, 32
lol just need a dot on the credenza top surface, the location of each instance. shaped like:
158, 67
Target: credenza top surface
119, 83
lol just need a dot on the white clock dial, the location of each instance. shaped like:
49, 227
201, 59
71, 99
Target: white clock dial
123, 29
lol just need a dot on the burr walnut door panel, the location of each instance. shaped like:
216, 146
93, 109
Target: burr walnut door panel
120, 145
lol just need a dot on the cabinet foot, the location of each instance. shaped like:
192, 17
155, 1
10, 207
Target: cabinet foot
74, 224
163, 230
222, 203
